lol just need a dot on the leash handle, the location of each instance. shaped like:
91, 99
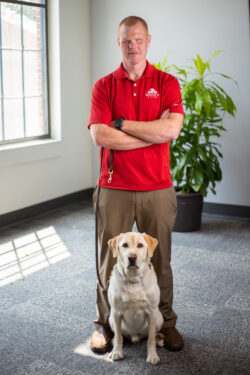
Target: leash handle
110, 170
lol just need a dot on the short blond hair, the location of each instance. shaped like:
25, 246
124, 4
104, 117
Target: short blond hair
131, 21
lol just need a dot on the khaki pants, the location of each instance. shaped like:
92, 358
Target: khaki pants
154, 213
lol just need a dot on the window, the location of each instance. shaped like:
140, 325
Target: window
23, 71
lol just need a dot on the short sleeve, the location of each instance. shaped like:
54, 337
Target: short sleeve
172, 97
100, 112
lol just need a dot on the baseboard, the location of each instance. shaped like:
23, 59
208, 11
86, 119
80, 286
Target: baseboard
227, 209
38, 209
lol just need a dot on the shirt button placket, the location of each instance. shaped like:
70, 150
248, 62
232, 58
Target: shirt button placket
134, 91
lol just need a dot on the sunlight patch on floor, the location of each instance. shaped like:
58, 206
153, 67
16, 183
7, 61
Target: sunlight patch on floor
84, 350
30, 253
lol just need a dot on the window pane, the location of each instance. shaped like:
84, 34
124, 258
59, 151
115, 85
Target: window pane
11, 25
33, 22
34, 117
13, 118
12, 73
32, 73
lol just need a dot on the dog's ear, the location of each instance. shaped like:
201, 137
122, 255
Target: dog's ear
113, 245
152, 243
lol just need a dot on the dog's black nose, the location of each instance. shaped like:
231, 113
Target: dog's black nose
132, 259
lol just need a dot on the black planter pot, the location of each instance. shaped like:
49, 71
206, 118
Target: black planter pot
189, 210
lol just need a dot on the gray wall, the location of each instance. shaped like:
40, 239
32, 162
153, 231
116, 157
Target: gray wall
186, 28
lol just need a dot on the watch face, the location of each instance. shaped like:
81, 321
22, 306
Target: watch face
118, 123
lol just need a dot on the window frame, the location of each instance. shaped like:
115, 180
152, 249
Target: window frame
47, 136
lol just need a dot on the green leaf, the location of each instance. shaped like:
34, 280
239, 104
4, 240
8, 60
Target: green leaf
227, 77
189, 88
219, 88
214, 54
207, 65
200, 65
198, 176
198, 103
196, 187
218, 152
182, 161
213, 191
230, 105
180, 71
207, 101
217, 169
202, 155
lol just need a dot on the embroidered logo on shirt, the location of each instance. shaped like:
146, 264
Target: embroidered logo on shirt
152, 93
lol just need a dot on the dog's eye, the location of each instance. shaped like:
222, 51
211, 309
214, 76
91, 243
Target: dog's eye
140, 245
125, 244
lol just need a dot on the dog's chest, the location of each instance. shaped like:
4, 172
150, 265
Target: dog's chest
134, 299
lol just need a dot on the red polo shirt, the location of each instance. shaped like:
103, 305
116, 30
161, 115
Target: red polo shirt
116, 96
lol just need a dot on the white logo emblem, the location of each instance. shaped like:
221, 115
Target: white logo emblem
152, 93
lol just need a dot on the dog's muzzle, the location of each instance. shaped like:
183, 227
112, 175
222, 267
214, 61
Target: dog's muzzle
132, 261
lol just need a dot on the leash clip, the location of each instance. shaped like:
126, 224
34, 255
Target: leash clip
110, 171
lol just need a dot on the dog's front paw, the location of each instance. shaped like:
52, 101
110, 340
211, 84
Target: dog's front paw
153, 358
116, 355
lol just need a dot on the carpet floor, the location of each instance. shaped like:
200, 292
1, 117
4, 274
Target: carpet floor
47, 299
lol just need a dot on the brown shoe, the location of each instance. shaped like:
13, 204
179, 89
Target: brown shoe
172, 339
101, 340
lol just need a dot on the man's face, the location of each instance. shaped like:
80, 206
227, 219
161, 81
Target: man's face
134, 42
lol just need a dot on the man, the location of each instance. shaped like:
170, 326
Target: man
135, 112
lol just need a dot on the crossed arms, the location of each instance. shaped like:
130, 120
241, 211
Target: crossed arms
138, 134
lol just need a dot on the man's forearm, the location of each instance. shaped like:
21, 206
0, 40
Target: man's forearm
105, 136
157, 131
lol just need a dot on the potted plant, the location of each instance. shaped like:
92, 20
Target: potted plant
194, 156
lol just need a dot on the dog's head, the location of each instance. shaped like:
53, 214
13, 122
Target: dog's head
132, 249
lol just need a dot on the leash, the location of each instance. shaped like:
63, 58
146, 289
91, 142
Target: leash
110, 171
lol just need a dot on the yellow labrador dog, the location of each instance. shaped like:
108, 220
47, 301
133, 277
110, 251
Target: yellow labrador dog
134, 294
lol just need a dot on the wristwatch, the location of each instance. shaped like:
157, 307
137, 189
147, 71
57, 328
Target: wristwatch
118, 123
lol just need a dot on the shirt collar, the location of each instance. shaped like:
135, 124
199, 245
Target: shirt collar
121, 74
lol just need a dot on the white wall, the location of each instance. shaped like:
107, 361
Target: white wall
33, 174
187, 28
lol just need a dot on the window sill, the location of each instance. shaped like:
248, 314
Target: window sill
29, 152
